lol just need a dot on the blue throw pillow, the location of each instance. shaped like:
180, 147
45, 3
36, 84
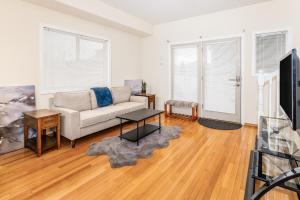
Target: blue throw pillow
103, 96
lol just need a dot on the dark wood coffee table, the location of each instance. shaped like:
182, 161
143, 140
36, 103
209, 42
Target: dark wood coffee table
137, 116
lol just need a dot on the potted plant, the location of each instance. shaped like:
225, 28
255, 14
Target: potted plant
144, 85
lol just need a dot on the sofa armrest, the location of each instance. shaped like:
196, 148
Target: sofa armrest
70, 122
139, 99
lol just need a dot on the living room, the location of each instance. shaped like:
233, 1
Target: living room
148, 99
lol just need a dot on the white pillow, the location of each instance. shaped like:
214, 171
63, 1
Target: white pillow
79, 101
120, 94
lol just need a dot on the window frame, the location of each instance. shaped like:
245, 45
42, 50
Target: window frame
42, 88
268, 32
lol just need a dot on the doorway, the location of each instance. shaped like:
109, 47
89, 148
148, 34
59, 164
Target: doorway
209, 72
221, 79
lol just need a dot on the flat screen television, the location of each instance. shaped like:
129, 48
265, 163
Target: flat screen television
289, 88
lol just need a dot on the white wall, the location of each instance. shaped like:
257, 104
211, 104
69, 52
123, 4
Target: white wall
19, 45
273, 15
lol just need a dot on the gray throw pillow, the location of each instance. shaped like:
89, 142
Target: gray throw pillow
78, 101
120, 94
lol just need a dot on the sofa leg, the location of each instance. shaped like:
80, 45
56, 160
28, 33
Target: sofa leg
73, 143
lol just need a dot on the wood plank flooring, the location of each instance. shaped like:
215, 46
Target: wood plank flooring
201, 164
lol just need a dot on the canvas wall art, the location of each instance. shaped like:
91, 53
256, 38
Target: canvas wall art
13, 102
135, 85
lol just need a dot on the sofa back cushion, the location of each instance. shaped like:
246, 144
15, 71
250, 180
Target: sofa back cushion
79, 101
120, 94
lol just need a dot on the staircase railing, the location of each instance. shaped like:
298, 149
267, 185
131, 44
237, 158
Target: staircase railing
268, 94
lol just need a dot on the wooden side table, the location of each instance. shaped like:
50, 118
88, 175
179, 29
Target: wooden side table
151, 99
41, 120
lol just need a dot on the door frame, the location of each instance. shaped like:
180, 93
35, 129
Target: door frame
236, 118
200, 41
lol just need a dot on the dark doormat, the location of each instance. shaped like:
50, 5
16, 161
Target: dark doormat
220, 125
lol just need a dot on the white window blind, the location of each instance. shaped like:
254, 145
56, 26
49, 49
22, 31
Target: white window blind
270, 48
184, 73
73, 62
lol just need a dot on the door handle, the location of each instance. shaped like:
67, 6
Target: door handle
237, 85
236, 79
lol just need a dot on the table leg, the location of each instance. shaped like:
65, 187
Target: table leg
149, 103
121, 129
137, 133
58, 133
154, 102
26, 129
39, 138
144, 123
159, 123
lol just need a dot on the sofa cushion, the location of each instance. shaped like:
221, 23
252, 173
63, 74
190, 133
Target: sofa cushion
98, 115
103, 96
129, 107
120, 94
78, 101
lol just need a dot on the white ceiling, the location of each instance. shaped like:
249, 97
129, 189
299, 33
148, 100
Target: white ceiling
160, 11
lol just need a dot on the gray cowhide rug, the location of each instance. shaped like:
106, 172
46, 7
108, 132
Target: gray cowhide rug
124, 153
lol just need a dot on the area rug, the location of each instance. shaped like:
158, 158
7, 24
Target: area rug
220, 125
124, 153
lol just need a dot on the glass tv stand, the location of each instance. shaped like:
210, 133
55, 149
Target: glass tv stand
275, 160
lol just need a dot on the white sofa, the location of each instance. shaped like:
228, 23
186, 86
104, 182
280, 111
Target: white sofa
80, 115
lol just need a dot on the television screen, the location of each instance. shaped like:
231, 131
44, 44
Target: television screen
289, 88
286, 96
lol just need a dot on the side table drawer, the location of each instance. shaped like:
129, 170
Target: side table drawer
49, 122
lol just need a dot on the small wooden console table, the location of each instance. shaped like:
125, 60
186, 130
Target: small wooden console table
41, 120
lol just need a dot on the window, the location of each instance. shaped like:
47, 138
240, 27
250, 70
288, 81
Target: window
73, 62
184, 73
270, 48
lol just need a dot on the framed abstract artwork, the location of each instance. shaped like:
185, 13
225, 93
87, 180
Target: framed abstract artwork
14, 101
135, 85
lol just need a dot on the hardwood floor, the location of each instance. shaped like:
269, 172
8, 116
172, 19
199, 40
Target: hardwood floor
201, 164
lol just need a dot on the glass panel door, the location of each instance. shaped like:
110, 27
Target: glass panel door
185, 72
221, 79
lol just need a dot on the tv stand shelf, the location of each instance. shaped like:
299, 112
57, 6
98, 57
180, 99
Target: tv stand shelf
275, 160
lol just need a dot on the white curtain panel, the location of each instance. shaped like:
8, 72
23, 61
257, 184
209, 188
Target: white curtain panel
73, 62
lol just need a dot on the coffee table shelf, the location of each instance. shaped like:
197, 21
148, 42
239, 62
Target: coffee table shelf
134, 136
